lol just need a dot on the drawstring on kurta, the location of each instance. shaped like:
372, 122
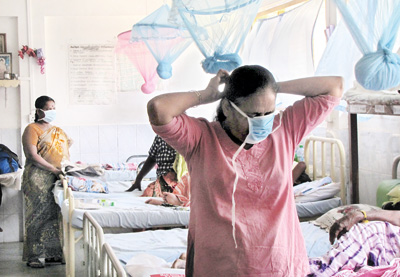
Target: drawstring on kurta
234, 189
237, 178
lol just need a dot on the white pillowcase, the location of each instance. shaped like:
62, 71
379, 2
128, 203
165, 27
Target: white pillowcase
142, 265
320, 193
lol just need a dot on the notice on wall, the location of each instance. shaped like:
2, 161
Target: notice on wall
91, 70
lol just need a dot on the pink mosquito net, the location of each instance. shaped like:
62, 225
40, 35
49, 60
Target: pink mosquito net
142, 59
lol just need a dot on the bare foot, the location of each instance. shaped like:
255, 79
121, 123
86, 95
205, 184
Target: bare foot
154, 201
181, 264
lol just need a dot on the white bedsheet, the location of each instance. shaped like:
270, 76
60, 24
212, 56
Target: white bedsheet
128, 212
170, 244
165, 244
317, 239
113, 186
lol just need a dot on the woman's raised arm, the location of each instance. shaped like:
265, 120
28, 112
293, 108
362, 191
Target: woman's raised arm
163, 108
313, 86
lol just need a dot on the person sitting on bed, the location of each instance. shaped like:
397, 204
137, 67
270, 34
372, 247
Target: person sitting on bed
170, 184
299, 174
360, 244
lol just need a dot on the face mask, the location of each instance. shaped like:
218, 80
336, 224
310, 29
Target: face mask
260, 128
49, 115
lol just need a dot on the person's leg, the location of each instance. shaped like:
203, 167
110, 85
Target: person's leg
297, 170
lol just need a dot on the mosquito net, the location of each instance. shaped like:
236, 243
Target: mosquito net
219, 28
165, 39
374, 26
142, 59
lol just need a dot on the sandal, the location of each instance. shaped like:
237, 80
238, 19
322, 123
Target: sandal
54, 261
36, 263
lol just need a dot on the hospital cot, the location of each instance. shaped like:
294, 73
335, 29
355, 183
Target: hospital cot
125, 251
324, 157
318, 166
130, 212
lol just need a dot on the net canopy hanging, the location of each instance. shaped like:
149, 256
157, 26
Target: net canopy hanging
166, 40
219, 28
374, 26
142, 59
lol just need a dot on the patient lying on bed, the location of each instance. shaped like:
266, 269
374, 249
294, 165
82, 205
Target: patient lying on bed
366, 247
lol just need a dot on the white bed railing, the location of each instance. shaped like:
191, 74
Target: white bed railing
93, 239
110, 265
71, 239
318, 168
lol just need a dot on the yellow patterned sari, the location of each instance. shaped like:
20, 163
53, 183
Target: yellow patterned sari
53, 146
43, 229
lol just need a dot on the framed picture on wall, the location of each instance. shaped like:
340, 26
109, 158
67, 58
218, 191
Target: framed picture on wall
3, 43
5, 64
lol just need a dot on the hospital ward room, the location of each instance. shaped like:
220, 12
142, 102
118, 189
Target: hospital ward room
173, 138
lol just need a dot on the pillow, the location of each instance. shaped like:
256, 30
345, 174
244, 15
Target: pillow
120, 166
86, 185
326, 220
149, 265
320, 193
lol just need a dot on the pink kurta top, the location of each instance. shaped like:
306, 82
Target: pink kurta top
268, 232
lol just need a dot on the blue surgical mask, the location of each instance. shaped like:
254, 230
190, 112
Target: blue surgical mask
260, 127
49, 115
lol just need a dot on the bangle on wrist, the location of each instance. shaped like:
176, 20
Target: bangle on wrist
198, 96
365, 220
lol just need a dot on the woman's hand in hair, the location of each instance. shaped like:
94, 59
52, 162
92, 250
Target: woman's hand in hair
212, 93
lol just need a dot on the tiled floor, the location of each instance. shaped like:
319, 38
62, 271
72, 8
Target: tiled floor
11, 264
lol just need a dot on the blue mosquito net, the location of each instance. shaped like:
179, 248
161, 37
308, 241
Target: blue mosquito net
374, 25
165, 39
219, 28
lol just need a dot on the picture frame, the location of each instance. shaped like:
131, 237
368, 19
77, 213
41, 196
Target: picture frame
3, 43
5, 64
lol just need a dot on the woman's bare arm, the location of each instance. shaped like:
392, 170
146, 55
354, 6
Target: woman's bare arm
355, 216
163, 108
313, 86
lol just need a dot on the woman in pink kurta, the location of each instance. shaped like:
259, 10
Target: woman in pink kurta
258, 232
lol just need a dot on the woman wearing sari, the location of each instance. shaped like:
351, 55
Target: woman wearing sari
45, 146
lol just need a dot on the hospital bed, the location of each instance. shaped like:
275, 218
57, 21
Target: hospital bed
324, 157
129, 212
131, 253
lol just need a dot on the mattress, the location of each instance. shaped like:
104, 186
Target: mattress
128, 212
170, 244
312, 209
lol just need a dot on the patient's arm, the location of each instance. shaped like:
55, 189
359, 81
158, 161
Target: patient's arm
353, 217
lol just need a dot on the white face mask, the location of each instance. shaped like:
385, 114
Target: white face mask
260, 127
49, 116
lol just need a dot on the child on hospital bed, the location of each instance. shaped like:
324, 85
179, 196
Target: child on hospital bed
173, 181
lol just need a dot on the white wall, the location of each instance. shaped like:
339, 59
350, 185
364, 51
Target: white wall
101, 133
108, 133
